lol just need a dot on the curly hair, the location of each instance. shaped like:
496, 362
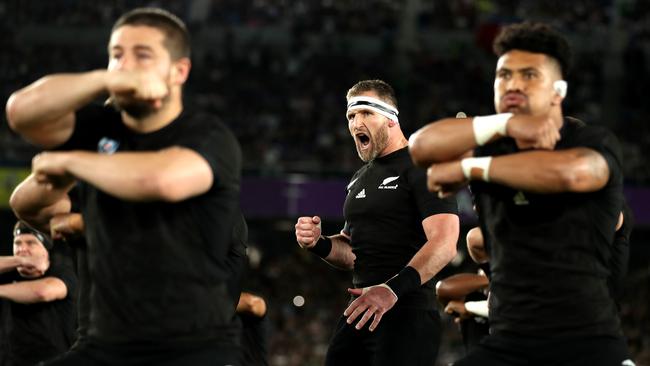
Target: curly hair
537, 38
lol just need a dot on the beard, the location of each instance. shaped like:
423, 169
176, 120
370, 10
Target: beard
136, 108
377, 144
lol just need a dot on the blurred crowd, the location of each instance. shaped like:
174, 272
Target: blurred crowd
277, 71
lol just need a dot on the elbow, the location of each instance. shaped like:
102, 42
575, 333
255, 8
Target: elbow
420, 148
159, 186
580, 177
417, 150
424, 148
19, 209
11, 111
15, 110
48, 294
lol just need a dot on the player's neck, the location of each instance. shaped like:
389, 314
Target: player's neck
394, 144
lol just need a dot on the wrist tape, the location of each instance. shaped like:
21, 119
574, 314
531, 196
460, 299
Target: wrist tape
486, 127
483, 163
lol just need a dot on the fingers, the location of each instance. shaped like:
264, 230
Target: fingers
368, 311
355, 312
370, 303
366, 316
358, 291
307, 231
375, 321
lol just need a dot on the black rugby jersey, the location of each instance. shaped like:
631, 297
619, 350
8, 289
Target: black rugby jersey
550, 253
386, 203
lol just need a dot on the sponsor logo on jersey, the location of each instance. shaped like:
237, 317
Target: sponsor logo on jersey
107, 146
361, 194
384, 184
520, 199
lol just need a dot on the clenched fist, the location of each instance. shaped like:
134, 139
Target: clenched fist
308, 230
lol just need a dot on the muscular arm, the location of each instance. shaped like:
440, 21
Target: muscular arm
29, 292
43, 112
34, 204
572, 170
341, 255
444, 140
442, 234
172, 174
454, 138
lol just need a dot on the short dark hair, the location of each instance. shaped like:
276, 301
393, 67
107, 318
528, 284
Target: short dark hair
537, 38
384, 91
177, 38
22, 228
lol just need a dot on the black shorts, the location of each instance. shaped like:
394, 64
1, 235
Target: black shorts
90, 353
500, 350
405, 336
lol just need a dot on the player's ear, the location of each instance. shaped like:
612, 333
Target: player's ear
181, 70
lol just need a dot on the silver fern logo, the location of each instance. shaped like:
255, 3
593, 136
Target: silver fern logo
384, 183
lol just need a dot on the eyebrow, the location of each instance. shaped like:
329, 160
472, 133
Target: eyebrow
137, 47
524, 69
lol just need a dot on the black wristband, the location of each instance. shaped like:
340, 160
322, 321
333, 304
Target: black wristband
408, 279
323, 247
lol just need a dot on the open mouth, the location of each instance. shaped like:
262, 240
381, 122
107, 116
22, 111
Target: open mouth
364, 140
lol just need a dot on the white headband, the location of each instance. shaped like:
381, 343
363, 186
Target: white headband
375, 105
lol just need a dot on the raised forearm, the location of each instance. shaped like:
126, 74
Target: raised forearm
170, 175
29, 292
42, 112
573, 170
